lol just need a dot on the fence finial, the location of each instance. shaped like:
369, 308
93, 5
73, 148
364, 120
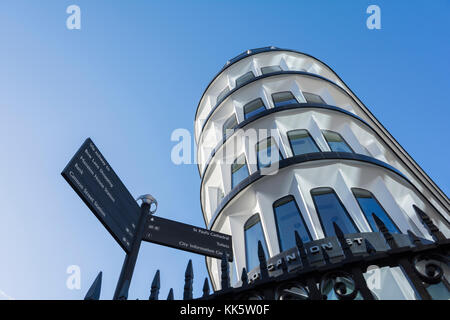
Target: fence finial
415, 239
206, 288
225, 276
244, 277
123, 295
386, 234
370, 249
434, 230
284, 266
156, 285
262, 261
326, 257
301, 250
188, 279
170, 295
341, 238
94, 291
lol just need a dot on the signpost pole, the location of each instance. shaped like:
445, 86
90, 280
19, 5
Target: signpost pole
130, 259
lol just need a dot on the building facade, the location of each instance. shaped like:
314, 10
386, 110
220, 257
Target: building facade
284, 147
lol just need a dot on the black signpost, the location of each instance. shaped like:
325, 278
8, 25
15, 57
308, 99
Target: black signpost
93, 179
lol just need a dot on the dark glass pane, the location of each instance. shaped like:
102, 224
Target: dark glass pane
370, 205
222, 94
253, 234
270, 69
253, 108
288, 220
267, 153
313, 98
244, 78
331, 210
283, 98
239, 171
336, 142
301, 142
230, 124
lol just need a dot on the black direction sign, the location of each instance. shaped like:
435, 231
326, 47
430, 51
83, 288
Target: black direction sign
188, 238
93, 179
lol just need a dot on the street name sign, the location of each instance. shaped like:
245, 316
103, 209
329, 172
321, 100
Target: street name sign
188, 238
93, 179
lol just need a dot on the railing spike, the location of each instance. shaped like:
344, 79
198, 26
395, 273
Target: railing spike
341, 238
123, 294
262, 261
415, 239
244, 277
434, 230
206, 288
170, 295
156, 285
386, 234
326, 257
188, 280
284, 266
225, 272
95, 289
301, 250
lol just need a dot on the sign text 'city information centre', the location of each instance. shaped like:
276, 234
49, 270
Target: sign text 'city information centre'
93, 179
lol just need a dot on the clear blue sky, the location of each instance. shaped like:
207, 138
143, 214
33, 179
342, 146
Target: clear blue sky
135, 72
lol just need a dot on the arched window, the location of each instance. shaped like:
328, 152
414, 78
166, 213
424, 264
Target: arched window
254, 233
244, 78
229, 125
330, 209
336, 142
267, 152
289, 219
253, 108
283, 98
369, 205
301, 142
239, 170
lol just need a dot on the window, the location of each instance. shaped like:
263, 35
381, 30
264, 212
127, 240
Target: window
301, 142
253, 108
289, 219
253, 233
270, 69
267, 153
330, 209
244, 78
239, 171
222, 94
336, 142
369, 204
313, 98
283, 98
229, 125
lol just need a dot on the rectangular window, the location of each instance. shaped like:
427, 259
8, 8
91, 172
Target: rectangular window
283, 98
270, 69
369, 205
244, 78
330, 209
267, 153
301, 142
313, 98
253, 108
336, 142
253, 233
288, 220
239, 171
222, 95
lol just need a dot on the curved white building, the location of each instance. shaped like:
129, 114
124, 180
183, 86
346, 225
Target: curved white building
284, 145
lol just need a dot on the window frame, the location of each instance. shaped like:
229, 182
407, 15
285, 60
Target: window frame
231, 169
222, 94
262, 104
242, 76
290, 142
226, 121
341, 204
273, 100
271, 66
280, 202
323, 101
